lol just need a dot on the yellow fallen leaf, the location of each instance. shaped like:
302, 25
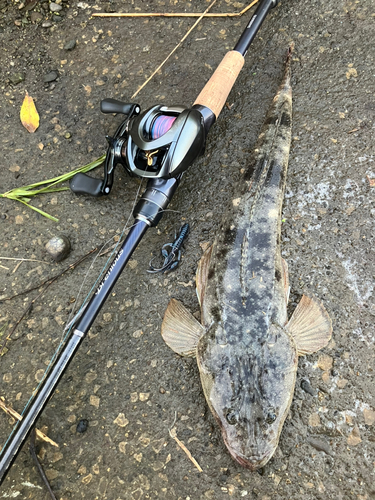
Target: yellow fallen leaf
29, 115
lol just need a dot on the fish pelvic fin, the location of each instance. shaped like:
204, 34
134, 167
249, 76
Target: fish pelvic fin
310, 326
180, 330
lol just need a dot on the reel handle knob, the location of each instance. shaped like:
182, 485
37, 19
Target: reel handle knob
115, 106
84, 184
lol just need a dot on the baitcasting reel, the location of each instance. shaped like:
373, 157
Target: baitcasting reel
160, 142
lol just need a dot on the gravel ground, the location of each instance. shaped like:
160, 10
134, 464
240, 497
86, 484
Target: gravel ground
124, 381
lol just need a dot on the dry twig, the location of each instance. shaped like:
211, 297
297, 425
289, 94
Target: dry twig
24, 260
173, 434
12, 413
174, 14
39, 465
17, 266
174, 50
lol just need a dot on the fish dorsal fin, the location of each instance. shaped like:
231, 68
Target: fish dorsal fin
202, 274
310, 326
180, 330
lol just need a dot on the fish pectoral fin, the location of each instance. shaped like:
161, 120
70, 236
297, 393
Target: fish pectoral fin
180, 330
202, 273
310, 326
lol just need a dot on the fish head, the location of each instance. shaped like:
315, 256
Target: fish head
249, 394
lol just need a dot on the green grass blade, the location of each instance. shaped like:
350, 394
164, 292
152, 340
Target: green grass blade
51, 217
69, 175
23, 194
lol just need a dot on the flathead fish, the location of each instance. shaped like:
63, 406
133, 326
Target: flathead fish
246, 348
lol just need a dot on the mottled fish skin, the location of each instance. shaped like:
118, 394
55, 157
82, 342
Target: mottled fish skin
247, 359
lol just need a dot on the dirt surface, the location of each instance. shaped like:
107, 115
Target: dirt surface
124, 380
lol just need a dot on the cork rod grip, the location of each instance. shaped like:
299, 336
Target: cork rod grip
215, 92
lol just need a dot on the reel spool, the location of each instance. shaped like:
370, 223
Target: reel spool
160, 142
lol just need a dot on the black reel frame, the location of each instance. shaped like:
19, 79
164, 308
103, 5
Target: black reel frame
143, 155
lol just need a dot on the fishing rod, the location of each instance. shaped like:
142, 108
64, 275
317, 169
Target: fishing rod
158, 144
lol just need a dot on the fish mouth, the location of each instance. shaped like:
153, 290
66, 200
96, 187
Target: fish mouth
253, 462
254, 459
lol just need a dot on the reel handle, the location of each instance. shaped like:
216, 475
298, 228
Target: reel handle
84, 184
114, 106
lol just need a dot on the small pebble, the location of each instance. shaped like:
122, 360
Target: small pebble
70, 45
50, 77
354, 437
87, 479
94, 401
121, 420
58, 247
314, 420
46, 24
82, 426
320, 445
134, 397
56, 457
16, 78
325, 362
90, 377
305, 385
369, 416
35, 17
341, 383
51, 474
39, 375
54, 7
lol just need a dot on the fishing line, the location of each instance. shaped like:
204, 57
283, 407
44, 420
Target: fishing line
161, 126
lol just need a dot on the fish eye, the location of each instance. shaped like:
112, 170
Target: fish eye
271, 417
231, 417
